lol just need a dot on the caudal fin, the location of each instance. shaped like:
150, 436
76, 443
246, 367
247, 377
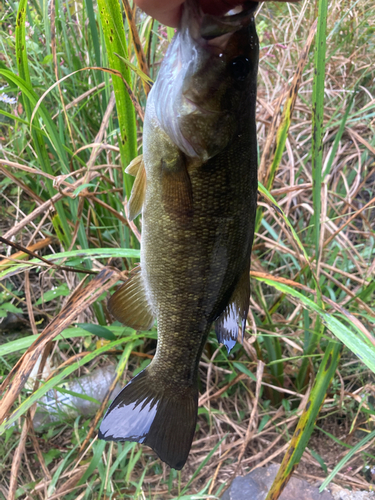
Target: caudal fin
160, 417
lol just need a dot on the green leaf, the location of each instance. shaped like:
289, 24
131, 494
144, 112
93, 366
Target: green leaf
51, 129
48, 59
29, 98
242, 368
9, 307
136, 70
89, 253
115, 42
318, 118
98, 448
81, 188
170, 33
24, 343
51, 455
347, 457
68, 333
60, 291
320, 460
278, 209
99, 331
62, 390
62, 466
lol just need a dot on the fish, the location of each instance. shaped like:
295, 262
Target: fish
196, 187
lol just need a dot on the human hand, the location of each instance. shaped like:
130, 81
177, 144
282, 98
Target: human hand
168, 12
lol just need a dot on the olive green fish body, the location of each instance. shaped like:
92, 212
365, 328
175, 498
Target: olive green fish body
197, 185
193, 262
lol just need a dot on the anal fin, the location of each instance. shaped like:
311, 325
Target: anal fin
130, 306
226, 326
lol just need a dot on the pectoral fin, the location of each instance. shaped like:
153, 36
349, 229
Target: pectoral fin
130, 306
138, 194
134, 166
226, 326
177, 192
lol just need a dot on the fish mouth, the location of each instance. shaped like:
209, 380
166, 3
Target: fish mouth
217, 26
212, 31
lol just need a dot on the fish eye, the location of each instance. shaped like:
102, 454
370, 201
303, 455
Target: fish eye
240, 68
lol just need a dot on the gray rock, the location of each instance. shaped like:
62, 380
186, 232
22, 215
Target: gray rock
344, 494
256, 484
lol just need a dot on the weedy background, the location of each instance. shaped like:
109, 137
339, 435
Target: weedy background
64, 147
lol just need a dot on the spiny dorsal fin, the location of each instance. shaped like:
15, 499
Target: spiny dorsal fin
130, 306
138, 194
226, 326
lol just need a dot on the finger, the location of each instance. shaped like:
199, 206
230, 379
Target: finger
219, 7
167, 12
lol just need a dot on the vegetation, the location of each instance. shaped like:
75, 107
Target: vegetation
68, 129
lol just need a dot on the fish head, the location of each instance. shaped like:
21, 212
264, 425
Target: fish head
206, 87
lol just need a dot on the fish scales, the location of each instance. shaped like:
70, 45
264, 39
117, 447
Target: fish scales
198, 216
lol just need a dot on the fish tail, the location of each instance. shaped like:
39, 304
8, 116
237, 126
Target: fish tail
158, 415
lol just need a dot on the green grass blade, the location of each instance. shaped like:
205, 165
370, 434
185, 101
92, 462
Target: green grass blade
347, 457
286, 117
306, 423
265, 192
24, 343
98, 448
339, 134
144, 77
115, 41
352, 337
38, 140
22, 63
202, 465
319, 328
94, 32
119, 370
76, 395
317, 163
69, 333
318, 117
51, 129
61, 468
88, 253
121, 456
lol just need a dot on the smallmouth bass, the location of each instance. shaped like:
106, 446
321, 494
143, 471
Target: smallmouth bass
196, 186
